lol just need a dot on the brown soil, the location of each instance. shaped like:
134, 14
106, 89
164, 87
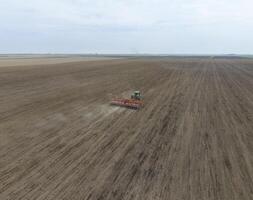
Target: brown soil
60, 139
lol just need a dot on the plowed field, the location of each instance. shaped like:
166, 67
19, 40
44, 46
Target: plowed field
60, 138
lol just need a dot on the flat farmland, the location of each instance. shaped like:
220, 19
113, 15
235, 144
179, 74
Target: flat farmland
193, 139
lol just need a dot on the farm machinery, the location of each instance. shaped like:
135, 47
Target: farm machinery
135, 102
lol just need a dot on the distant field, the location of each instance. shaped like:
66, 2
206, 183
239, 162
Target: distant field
61, 139
19, 60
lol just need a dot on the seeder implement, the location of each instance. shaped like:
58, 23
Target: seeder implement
129, 103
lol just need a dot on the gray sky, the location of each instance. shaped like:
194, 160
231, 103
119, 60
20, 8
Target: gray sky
126, 26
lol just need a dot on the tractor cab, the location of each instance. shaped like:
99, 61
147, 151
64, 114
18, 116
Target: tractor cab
136, 95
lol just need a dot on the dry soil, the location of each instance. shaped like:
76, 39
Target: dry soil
60, 138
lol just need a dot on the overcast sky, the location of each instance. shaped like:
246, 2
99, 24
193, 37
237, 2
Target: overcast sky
126, 26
